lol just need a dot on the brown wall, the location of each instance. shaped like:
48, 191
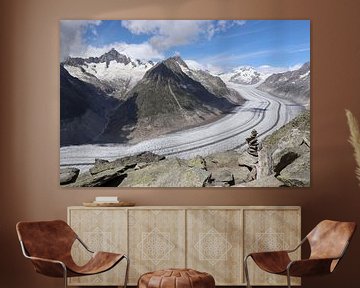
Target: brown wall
29, 119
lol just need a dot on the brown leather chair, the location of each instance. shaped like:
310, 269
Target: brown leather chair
48, 245
328, 242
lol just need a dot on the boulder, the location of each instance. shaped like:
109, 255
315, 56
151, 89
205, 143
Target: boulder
222, 177
268, 181
68, 175
252, 175
247, 160
107, 178
197, 162
167, 173
101, 165
297, 173
227, 159
141, 165
128, 161
241, 174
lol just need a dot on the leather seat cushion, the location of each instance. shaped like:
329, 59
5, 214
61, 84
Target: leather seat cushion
176, 278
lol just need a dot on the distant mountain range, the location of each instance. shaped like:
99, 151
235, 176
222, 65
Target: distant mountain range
134, 100
112, 72
114, 98
292, 85
244, 75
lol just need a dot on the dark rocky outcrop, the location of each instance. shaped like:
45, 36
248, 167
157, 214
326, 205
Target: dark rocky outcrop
106, 173
83, 110
68, 175
222, 177
107, 178
112, 55
128, 162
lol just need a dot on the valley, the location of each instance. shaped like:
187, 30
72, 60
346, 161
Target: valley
115, 106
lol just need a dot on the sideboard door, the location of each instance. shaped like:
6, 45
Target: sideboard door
214, 244
156, 240
101, 230
271, 230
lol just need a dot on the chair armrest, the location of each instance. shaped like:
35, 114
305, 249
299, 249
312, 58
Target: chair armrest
268, 253
49, 267
309, 267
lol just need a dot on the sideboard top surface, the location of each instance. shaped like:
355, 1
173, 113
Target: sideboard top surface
193, 207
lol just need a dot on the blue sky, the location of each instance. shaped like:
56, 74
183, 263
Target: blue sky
224, 44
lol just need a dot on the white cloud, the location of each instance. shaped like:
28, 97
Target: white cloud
170, 33
213, 69
143, 51
268, 70
71, 34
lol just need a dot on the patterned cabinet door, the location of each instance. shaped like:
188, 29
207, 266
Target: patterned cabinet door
214, 244
101, 230
270, 230
156, 240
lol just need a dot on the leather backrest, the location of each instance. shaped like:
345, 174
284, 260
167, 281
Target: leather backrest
46, 239
329, 239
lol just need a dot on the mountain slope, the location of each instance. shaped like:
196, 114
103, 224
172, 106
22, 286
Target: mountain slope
165, 100
293, 85
214, 84
83, 110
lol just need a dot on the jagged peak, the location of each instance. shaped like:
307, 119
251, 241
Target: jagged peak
178, 59
244, 68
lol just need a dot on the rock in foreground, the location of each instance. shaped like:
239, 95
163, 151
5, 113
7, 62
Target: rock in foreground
68, 175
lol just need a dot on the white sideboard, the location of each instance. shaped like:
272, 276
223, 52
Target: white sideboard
211, 239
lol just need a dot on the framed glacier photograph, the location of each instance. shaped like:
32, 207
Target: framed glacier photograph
185, 103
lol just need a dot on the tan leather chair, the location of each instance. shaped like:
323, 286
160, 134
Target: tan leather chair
328, 242
48, 245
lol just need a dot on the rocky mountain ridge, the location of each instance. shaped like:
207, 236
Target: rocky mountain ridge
293, 85
113, 72
168, 96
164, 100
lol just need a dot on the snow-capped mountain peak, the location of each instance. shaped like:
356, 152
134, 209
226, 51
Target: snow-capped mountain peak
245, 75
112, 69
